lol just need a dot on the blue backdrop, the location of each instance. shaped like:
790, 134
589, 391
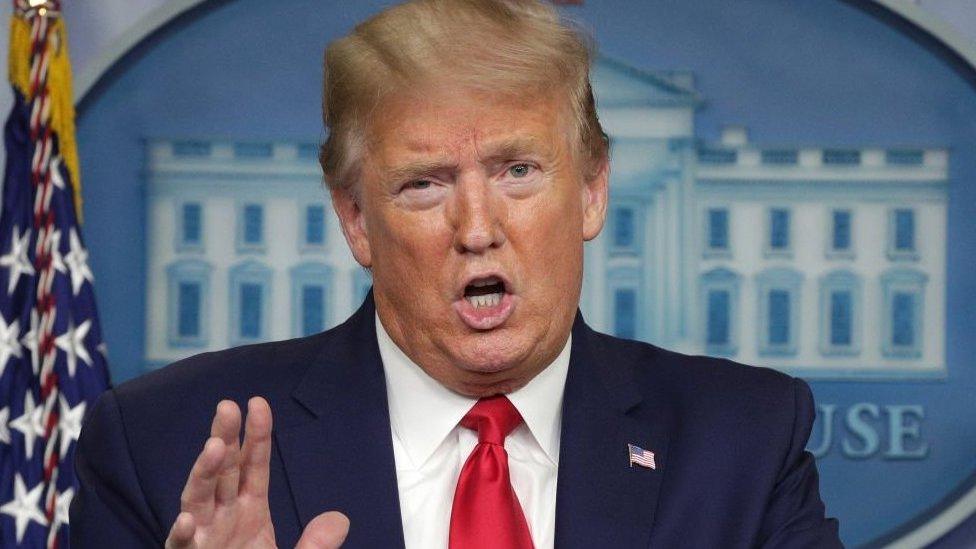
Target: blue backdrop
803, 72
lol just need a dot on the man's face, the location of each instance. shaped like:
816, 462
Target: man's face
472, 215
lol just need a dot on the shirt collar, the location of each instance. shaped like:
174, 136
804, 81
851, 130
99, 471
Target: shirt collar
423, 412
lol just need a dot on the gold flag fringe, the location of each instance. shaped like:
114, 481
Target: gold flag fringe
59, 86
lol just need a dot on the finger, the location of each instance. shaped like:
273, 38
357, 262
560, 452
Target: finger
326, 531
256, 453
181, 534
199, 491
227, 427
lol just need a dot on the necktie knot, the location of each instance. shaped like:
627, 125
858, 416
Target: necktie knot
493, 418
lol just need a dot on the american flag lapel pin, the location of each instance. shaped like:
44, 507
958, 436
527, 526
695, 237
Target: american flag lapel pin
641, 457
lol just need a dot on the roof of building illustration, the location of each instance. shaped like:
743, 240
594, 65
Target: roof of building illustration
617, 84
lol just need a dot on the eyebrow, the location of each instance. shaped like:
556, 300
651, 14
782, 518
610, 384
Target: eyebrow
418, 168
505, 149
508, 149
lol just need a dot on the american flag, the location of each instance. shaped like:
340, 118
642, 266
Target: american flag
52, 360
640, 456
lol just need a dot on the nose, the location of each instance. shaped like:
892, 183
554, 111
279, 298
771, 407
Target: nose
478, 215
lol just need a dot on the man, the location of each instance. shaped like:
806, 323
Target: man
466, 404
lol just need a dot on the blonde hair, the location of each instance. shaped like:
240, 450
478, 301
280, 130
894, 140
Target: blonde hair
506, 47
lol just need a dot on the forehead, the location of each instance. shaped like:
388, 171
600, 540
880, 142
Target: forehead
452, 122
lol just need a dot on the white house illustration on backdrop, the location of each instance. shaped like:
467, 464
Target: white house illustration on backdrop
821, 261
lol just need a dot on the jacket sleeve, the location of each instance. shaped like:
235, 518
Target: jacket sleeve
109, 509
795, 513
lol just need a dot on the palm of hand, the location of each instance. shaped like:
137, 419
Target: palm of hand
225, 499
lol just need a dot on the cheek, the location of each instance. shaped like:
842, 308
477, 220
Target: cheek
408, 248
560, 217
553, 243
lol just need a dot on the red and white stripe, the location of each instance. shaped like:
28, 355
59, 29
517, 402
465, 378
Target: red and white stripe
639, 456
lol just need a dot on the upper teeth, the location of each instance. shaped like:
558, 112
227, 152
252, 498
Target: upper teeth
485, 282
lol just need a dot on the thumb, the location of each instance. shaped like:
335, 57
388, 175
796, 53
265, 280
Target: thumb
326, 531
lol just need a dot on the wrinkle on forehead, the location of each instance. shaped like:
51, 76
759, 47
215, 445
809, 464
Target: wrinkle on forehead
409, 137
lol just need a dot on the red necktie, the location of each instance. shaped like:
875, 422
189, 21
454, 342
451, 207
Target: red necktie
486, 512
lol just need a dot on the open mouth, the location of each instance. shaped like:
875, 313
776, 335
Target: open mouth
486, 292
486, 303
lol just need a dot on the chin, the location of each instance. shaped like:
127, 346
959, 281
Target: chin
481, 364
490, 352
491, 363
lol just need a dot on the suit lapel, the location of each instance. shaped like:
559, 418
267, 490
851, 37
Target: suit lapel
341, 456
601, 501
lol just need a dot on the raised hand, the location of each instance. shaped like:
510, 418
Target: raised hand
225, 499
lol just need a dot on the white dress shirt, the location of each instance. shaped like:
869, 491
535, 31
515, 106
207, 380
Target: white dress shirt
430, 448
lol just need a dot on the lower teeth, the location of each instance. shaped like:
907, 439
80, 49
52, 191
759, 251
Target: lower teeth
489, 300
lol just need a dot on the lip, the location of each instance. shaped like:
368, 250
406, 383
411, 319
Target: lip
485, 318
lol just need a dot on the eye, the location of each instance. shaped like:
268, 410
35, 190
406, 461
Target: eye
520, 170
419, 185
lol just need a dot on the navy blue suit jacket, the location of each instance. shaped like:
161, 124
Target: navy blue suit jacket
728, 441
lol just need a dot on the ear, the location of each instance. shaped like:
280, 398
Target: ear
595, 200
347, 206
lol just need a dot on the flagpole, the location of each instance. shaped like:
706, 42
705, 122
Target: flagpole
50, 291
